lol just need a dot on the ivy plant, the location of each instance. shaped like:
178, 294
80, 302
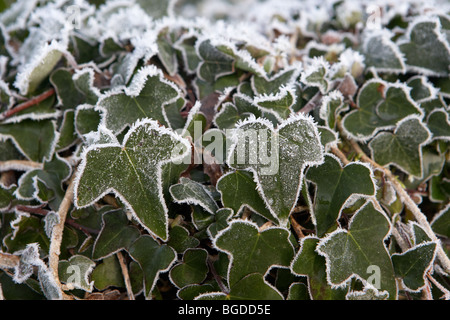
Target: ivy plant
147, 153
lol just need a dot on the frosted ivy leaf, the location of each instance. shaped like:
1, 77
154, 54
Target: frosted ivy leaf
381, 106
403, 148
279, 104
277, 158
263, 251
132, 171
192, 192
441, 222
146, 97
156, 8
426, 49
382, 53
214, 62
192, 270
15, 17
421, 89
36, 140
34, 72
360, 251
230, 113
332, 105
264, 85
316, 73
335, 186
75, 272
413, 265
438, 122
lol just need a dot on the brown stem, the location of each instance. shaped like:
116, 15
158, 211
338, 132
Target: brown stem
8, 261
27, 104
57, 233
126, 276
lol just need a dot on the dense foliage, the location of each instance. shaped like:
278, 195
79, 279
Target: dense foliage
224, 149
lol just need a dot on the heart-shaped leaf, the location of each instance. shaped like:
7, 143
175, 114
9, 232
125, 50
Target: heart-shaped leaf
263, 251
277, 158
381, 106
360, 251
403, 148
438, 122
192, 270
426, 49
132, 170
335, 186
153, 259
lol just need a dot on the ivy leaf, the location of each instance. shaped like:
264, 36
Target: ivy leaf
108, 274
116, 234
441, 222
251, 287
87, 119
421, 89
222, 219
230, 113
76, 271
336, 186
153, 259
155, 8
146, 97
316, 74
133, 172
413, 265
426, 50
279, 104
35, 71
192, 270
277, 158
180, 240
263, 250
53, 174
272, 85
192, 192
239, 190
309, 263
403, 148
214, 63
381, 106
356, 251
382, 53
438, 122
332, 105
36, 140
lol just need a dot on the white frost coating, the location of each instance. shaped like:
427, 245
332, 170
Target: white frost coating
323, 241
151, 125
294, 261
24, 71
331, 96
312, 66
135, 88
424, 143
15, 18
91, 77
440, 37
230, 255
386, 85
385, 35
440, 214
367, 287
355, 196
447, 119
281, 94
195, 201
426, 270
424, 81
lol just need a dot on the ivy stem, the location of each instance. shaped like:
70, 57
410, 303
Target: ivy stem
27, 104
222, 287
57, 232
8, 261
405, 198
19, 165
126, 276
